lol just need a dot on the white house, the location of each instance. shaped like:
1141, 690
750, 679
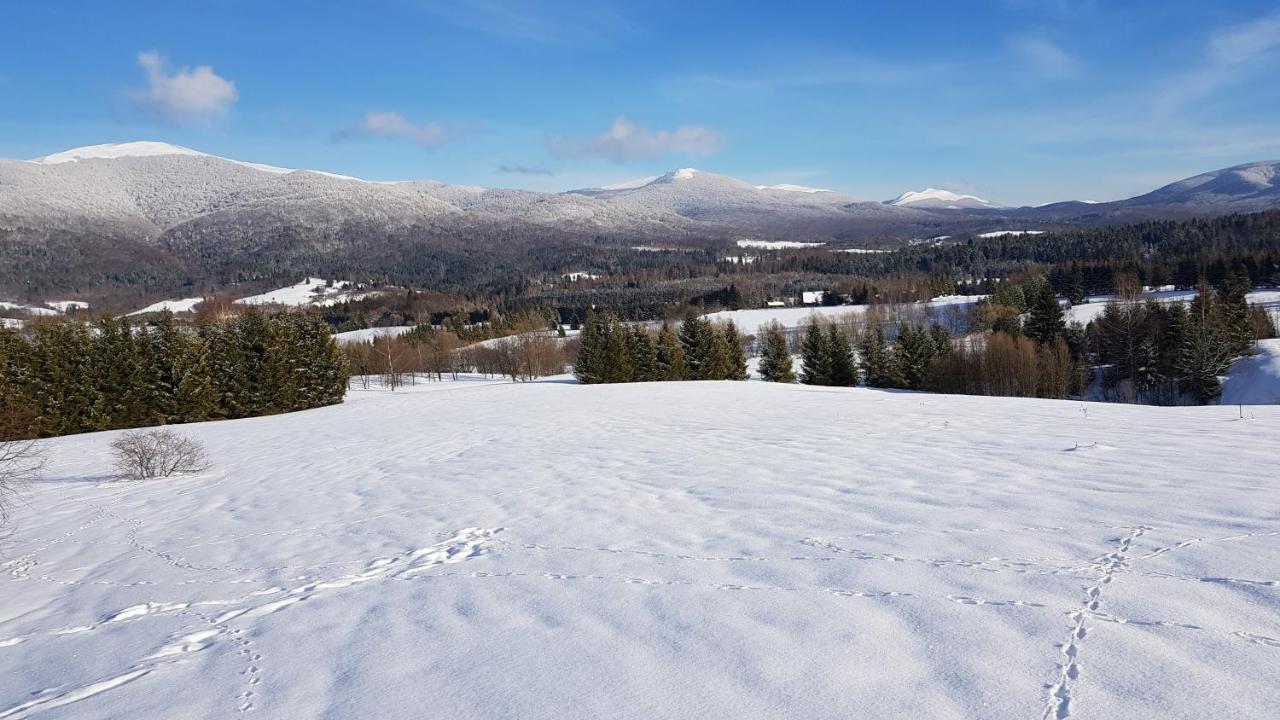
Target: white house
812, 297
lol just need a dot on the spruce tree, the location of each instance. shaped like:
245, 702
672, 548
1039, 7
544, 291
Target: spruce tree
670, 356
644, 354
876, 361
1045, 322
616, 355
815, 361
719, 363
590, 351
1206, 351
775, 363
840, 366
737, 358
695, 339
912, 355
1234, 303
1076, 293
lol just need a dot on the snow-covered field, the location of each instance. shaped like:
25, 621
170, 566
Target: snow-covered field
311, 291
1086, 312
367, 334
180, 305
744, 550
750, 320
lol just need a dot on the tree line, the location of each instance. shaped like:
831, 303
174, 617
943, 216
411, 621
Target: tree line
60, 377
611, 351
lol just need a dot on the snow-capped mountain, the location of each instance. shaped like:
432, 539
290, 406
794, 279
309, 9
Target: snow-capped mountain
804, 213
935, 199
113, 151
132, 212
1250, 185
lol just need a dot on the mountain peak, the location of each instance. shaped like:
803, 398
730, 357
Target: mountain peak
944, 199
111, 151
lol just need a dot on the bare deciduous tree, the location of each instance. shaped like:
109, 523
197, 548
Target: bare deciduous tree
21, 458
144, 454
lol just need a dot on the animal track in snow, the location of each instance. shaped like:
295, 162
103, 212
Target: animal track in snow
1060, 691
464, 545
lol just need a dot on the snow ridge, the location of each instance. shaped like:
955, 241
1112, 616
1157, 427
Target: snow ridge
935, 198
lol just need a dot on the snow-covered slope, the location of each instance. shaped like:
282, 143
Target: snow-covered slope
792, 188
934, 198
114, 151
1254, 380
740, 550
731, 203
180, 305
309, 291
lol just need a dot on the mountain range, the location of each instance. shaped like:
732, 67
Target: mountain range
125, 212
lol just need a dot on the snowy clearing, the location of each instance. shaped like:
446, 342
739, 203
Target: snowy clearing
750, 320
180, 305
1002, 233
745, 550
367, 334
29, 309
1087, 312
777, 244
311, 291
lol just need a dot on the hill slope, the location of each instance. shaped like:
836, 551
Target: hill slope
558, 551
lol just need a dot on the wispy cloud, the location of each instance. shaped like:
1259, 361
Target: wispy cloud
524, 170
184, 96
626, 140
1245, 42
566, 22
821, 72
1233, 53
395, 125
1043, 57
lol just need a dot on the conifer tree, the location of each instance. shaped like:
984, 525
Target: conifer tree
840, 367
1076, 293
587, 368
1237, 330
876, 361
1206, 351
1045, 322
775, 363
737, 359
616, 354
912, 355
695, 339
670, 356
644, 354
719, 362
815, 361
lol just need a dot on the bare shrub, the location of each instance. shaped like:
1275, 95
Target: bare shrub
21, 457
144, 454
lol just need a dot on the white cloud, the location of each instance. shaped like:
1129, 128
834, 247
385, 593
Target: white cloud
393, 124
185, 95
576, 23
1043, 57
1241, 43
626, 140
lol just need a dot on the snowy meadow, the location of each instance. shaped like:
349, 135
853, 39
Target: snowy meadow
545, 550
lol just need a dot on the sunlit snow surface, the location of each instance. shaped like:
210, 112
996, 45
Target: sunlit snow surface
744, 550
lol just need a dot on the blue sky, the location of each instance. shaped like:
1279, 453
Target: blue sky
1019, 101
